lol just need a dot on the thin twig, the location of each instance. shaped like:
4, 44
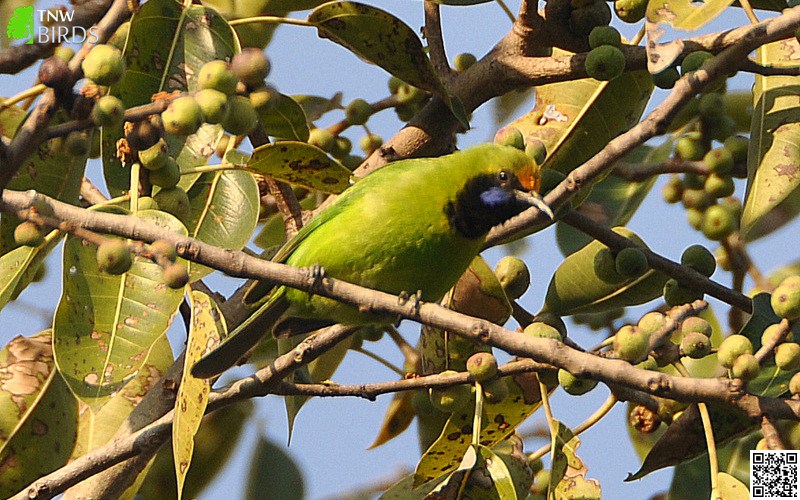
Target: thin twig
771, 434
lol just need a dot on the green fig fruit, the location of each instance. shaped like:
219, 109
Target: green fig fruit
482, 366
104, 64
216, 75
168, 176
213, 105
358, 112
114, 256
514, 276
605, 63
108, 111
28, 234
182, 117
251, 67
242, 117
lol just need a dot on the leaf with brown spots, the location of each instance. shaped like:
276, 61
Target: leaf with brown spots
206, 329
498, 423
38, 414
773, 163
105, 325
302, 164
398, 417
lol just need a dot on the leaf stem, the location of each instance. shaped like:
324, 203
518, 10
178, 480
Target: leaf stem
505, 8
380, 360
748, 9
25, 94
212, 168
476, 421
269, 20
134, 191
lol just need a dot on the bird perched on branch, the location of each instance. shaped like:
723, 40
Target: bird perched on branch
414, 225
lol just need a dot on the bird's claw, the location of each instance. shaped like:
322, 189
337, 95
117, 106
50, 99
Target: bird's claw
416, 301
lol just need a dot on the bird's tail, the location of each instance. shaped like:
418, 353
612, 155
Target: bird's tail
243, 338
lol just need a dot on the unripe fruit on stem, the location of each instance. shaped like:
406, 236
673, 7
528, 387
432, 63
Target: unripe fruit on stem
695, 345
652, 322
694, 324
175, 276
630, 11
321, 138
719, 187
582, 20
733, 347
785, 299
216, 75
341, 147
165, 249
64, 53
54, 73
450, 399
394, 84
719, 161
174, 201
147, 203
745, 367
514, 276
144, 134
695, 198
358, 112
104, 65
675, 294
464, 61
604, 35
370, 143
700, 259
787, 356
154, 157
482, 366
542, 330
605, 266
28, 234
77, 143
182, 117
168, 176
692, 180
694, 217
667, 78
265, 98
605, 63
737, 146
574, 385
510, 136
673, 190
631, 263
690, 149
242, 117
775, 331
794, 384
631, 344
213, 105
536, 150
408, 94
711, 106
108, 111
718, 223
694, 60
251, 67
495, 391
114, 257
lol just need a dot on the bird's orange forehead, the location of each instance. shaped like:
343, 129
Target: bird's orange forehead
529, 178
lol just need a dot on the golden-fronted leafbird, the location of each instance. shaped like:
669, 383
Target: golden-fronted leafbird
414, 225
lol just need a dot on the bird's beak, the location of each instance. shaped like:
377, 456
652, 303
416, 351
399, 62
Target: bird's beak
534, 199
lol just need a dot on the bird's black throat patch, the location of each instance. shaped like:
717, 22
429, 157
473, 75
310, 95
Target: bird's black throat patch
481, 205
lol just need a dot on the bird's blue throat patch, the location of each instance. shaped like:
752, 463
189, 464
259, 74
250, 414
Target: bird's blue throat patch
496, 197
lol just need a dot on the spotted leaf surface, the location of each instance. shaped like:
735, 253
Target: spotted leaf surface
105, 325
302, 164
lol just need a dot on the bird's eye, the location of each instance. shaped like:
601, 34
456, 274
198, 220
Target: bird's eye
503, 176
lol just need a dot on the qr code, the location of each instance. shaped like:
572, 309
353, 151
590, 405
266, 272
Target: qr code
773, 474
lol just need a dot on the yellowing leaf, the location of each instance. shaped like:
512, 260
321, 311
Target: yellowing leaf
398, 417
685, 14
206, 329
38, 414
773, 163
302, 164
731, 488
576, 119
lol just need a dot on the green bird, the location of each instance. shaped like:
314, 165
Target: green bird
414, 225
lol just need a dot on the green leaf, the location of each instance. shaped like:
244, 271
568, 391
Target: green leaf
187, 39
19, 266
286, 120
225, 207
773, 175
576, 119
315, 107
685, 14
357, 26
613, 200
105, 326
302, 164
38, 414
273, 474
761, 317
498, 472
206, 329
397, 419
404, 489
498, 423
576, 288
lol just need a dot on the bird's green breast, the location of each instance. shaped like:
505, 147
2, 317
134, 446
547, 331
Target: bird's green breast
390, 233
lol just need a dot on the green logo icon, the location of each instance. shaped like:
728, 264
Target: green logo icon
20, 25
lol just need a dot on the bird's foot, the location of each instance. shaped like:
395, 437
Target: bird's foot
317, 275
415, 300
